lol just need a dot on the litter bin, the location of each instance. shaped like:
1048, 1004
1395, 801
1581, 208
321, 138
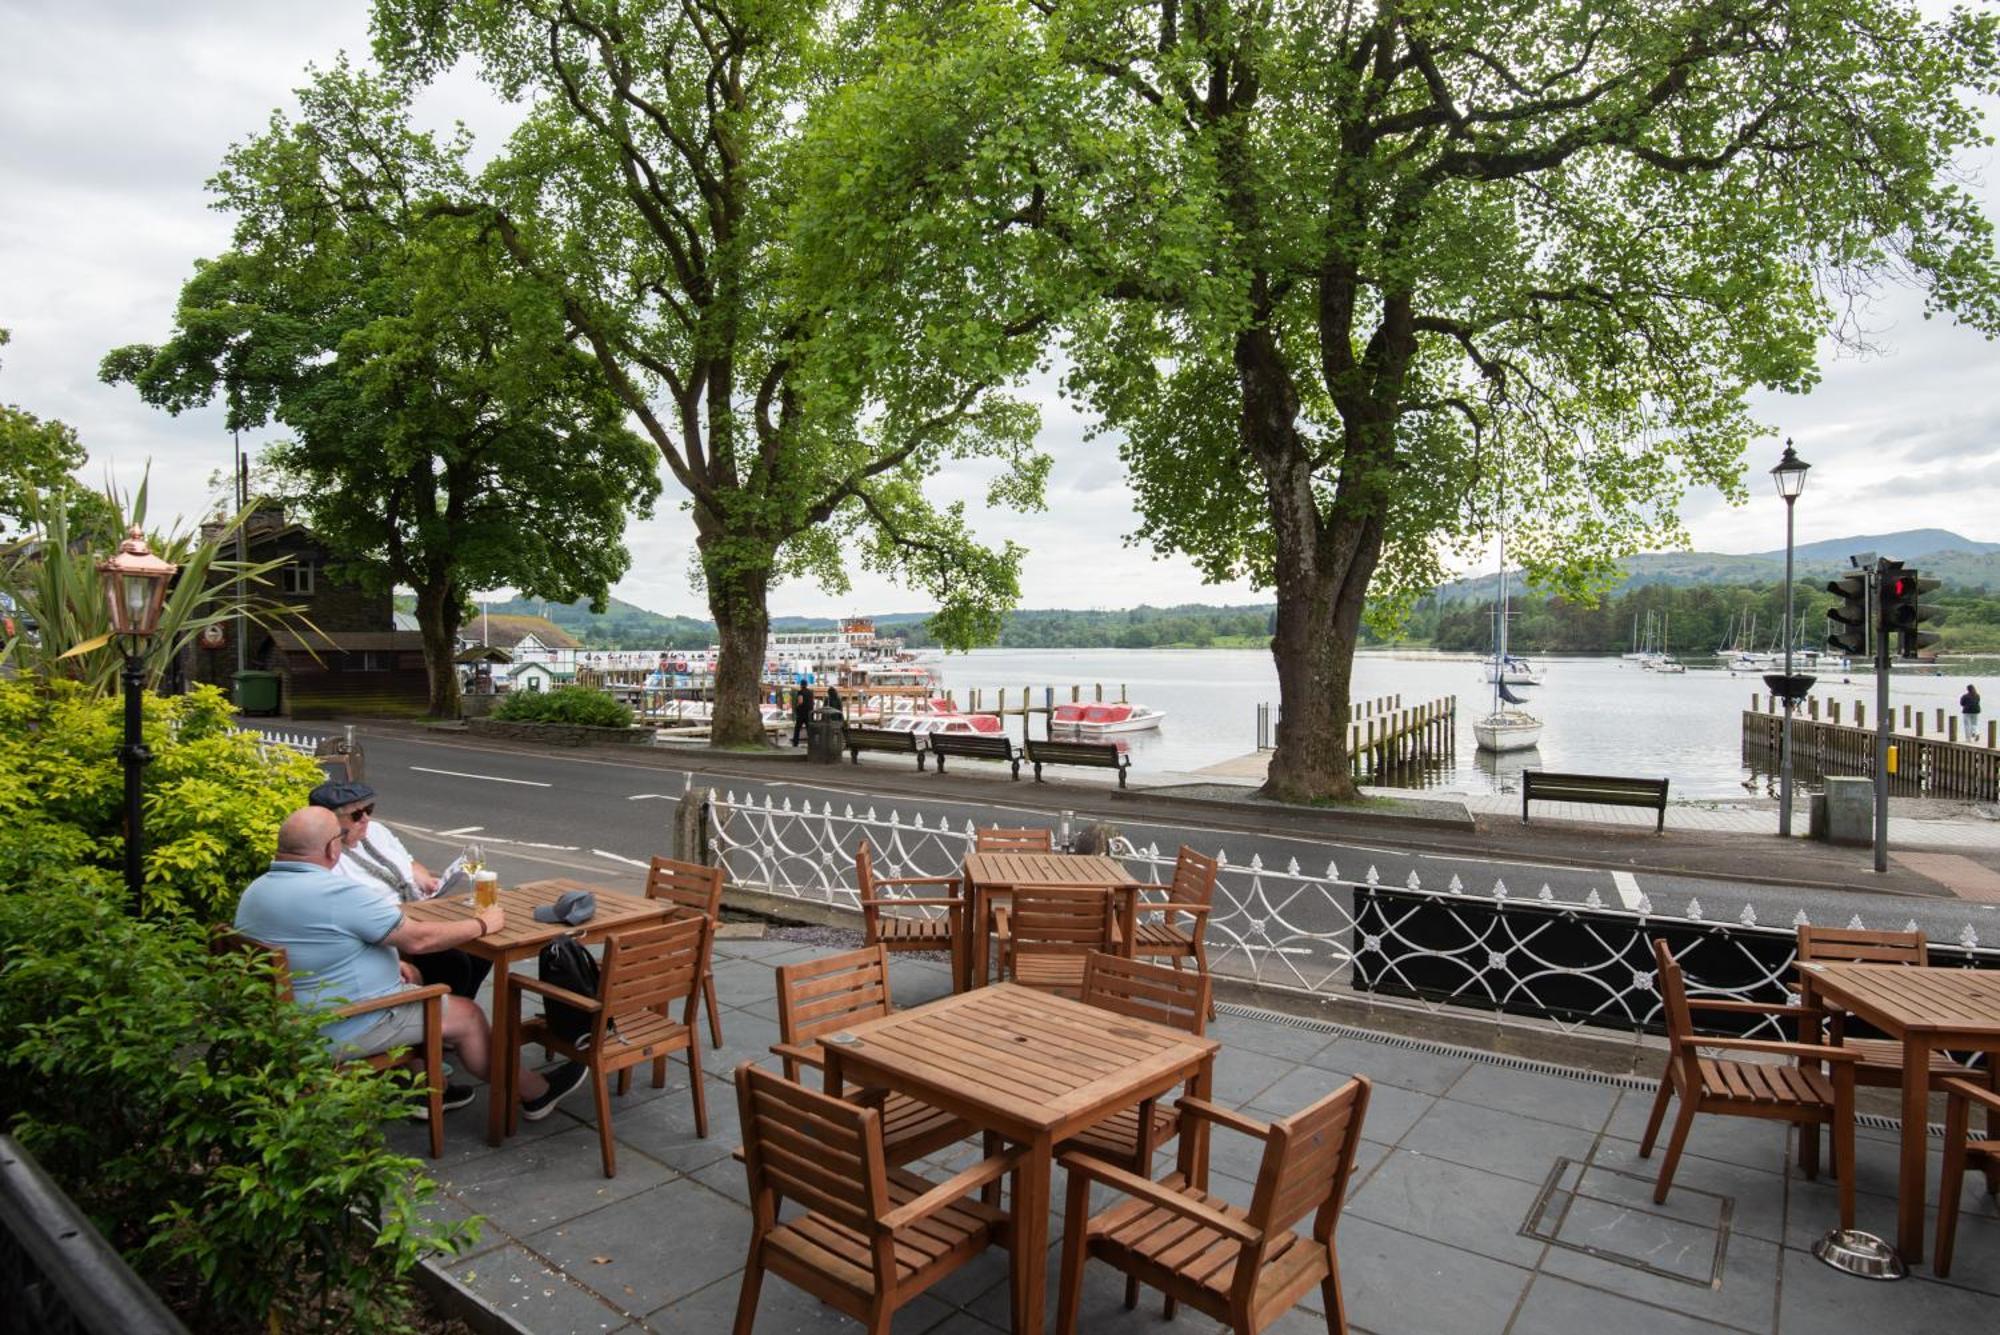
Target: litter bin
257, 692
826, 737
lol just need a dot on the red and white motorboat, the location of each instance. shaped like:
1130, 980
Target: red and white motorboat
938, 715
1101, 720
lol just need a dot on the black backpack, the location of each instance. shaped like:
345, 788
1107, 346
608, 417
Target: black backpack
565, 963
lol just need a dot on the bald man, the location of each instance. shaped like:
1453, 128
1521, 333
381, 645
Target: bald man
342, 939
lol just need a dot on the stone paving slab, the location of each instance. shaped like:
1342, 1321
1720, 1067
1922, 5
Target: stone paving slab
1487, 1198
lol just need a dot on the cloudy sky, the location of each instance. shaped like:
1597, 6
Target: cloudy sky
112, 115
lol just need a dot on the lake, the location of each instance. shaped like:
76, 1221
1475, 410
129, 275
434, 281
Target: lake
1601, 715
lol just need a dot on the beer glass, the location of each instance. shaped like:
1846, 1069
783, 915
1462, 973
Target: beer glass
485, 888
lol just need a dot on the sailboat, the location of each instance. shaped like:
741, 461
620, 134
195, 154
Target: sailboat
1664, 661
1505, 729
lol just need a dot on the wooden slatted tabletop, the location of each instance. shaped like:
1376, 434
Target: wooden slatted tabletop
987, 874
1926, 1009
522, 939
1034, 1068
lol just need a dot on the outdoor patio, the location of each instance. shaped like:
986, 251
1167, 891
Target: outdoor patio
1487, 1198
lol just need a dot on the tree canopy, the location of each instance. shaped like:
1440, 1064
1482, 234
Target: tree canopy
38, 461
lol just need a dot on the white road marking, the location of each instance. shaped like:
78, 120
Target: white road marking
630, 862
463, 829
1628, 888
664, 797
555, 848
490, 778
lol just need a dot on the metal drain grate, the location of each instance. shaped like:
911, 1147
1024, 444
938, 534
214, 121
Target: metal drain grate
1636, 1083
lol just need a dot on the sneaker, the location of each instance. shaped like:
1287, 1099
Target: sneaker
455, 1096
562, 1080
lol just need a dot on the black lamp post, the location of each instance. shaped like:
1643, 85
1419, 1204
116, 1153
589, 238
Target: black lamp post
1790, 475
135, 588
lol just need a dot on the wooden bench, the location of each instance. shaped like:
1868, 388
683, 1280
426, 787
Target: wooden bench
1600, 789
1097, 755
974, 746
883, 739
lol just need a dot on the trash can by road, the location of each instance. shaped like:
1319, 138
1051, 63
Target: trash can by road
826, 737
257, 692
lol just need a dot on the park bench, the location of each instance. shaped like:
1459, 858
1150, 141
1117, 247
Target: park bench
1600, 789
974, 746
1098, 755
884, 739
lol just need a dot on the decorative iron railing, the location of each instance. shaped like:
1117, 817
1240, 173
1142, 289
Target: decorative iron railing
1576, 963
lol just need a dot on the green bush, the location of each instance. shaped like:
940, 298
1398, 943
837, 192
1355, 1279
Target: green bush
198, 1118
212, 802
565, 704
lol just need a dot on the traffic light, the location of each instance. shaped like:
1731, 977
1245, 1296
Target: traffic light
1851, 616
1904, 613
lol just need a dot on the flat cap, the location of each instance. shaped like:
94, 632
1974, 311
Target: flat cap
337, 793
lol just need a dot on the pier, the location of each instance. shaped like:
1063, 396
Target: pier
1937, 763
1385, 737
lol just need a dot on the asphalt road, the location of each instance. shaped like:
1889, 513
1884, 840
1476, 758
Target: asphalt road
595, 815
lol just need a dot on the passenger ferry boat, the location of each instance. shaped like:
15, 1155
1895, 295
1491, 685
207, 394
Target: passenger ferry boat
1098, 720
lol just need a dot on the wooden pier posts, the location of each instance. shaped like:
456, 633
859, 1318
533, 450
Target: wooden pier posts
1940, 764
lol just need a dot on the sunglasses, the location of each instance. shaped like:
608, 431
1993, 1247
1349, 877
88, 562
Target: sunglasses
362, 813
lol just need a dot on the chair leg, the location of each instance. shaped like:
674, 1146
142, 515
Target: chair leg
1131, 1292
1201, 963
1809, 1151
1069, 1293
1659, 1112
1330, 1297
990, 1147
1843, 1141
714, 1012
1683, 1123
1950, 1182
600, 1085
624, 1082
753, 1281
434, 1073
694, 1080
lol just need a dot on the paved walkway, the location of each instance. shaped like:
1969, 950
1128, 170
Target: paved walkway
1488, 1198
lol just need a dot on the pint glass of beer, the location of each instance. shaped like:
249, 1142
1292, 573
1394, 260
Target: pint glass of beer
485, 888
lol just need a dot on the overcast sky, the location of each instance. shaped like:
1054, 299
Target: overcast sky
112, 115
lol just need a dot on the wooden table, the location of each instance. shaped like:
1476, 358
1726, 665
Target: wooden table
987, 874
1925, 1009
1033, 1068
523, 939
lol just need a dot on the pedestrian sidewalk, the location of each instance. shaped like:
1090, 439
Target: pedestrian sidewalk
1954, 831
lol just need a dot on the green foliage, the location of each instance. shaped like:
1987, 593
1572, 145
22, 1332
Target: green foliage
212, 801
565, 704
37, 461
198, 1118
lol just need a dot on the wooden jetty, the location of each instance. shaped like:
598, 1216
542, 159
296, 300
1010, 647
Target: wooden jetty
1937, 764
1384, 736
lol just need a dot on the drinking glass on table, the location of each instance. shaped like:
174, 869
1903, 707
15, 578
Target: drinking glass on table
485, 888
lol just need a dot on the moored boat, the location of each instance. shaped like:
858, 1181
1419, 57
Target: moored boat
1507, 730
1098, 720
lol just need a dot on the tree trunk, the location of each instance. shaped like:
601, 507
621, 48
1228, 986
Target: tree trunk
438, 611
737, 601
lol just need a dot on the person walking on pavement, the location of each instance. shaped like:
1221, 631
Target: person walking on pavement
802, 711
1968, 705
832, 700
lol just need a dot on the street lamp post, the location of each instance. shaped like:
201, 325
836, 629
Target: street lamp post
135, 588
1790, 475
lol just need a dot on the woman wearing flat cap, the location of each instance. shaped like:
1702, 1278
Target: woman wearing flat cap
374, 856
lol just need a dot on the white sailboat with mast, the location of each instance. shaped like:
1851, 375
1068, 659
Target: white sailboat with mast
1508, 727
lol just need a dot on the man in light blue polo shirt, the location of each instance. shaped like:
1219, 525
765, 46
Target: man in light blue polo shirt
341, 939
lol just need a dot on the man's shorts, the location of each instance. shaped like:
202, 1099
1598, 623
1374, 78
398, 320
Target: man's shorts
397, 1027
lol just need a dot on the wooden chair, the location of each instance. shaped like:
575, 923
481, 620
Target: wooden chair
870, 1237
228, 941
1960, 1153
696, 889
1170, 997
646, 970
881, 926
1192, 894
1002, 840
1244, 1268
826, 995
1878, 1061
1800, 1094
1047, 934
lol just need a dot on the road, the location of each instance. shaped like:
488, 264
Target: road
596, 815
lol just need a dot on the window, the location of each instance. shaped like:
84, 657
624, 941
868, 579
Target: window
364, 661
296, 578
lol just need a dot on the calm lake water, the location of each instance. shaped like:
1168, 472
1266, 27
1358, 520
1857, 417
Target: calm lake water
1601, 715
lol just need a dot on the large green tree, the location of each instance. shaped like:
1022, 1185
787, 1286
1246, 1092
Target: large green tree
38, 460
445, 432
670, 180
1373, 277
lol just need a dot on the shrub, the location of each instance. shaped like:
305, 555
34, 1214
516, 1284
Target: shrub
566, 704
198, 1118
212, 801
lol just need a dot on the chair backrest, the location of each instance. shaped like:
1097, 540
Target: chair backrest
830, 993
1194, 877
646, 968
226, 941
820, 1152
1851, 945
1680, 1021
688, 884
1060, 919
1002, 840
1308, 1159
1176, 998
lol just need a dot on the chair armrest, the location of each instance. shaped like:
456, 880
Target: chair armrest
1811, 1052
1164, 1197
900, 902
951, 881
956, 1188
576, 999
1000, 923
1754, 1008
394, 999
1965, 1089
813, 1055
1170, 906
1235, 1121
